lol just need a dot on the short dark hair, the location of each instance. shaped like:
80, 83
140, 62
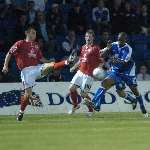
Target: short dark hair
29, 27
123, 34
90, 31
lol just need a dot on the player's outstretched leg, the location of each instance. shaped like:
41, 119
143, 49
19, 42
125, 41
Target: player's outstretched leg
49, 67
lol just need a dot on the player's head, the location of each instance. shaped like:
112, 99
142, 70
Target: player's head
122, 38
89, 36
30, 33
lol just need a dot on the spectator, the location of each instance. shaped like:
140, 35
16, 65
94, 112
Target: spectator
69, 43
55, 20
9, 20
144, 20
100, 17
21, 27
77, 20
116, 18
143, 75
130, 19
19, 4
104, 38
31, 12
43, 30
39, 5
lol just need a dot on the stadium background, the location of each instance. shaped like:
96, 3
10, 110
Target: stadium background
57, 19
61, 25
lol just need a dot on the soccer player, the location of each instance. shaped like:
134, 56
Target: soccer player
29, 58
122, 72
89, 59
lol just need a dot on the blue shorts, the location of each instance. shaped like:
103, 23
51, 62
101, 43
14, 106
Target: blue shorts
121, 80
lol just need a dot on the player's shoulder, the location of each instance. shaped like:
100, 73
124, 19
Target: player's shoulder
96, 46
83, 47
20, 42
128, 47
115, 43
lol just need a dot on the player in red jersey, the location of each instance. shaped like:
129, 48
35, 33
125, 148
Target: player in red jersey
29, 58
89, 59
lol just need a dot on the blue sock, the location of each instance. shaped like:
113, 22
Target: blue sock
130, 98
99, 95
142, 107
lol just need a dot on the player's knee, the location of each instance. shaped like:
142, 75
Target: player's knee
27, 95
83, 94
121, 93
72, 88
47, 68
106, 83
135, 90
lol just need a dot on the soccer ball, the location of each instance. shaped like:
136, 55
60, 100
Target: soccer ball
99, 73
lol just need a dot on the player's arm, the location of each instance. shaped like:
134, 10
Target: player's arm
13, 50
6, 63
105, 52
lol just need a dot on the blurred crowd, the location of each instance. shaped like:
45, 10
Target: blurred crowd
61, 25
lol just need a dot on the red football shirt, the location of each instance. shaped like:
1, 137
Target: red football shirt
26, 53
89, 58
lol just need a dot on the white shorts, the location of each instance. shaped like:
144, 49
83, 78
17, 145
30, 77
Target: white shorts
30, 74
83, 81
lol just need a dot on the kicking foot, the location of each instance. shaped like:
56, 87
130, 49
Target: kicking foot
91, 104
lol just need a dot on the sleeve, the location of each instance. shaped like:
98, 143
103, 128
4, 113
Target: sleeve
14, 49
113, 47
127, 54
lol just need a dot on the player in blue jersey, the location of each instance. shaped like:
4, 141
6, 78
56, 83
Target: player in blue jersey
122, 73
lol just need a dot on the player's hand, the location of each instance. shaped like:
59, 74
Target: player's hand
5, 69
109, 44
114, 59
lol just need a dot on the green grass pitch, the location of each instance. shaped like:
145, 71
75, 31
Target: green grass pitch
105, 131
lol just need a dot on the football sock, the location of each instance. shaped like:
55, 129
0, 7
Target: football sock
98, 96
74, 97
24, 103
142, 107
89, 107
130, 98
